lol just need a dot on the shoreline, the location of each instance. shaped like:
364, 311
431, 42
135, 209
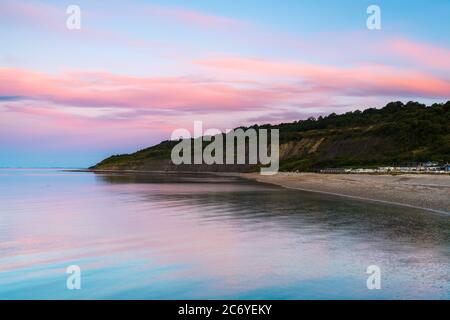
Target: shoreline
420, 191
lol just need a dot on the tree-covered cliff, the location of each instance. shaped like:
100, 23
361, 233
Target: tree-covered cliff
394, 135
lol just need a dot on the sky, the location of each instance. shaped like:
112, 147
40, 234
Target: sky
137, 70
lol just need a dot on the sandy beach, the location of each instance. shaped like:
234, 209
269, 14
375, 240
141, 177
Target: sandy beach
431, 192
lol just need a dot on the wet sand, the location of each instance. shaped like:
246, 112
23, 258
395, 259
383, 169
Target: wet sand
430, 192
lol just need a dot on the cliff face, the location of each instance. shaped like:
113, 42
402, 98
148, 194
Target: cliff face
395, 134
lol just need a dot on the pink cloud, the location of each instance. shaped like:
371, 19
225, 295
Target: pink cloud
194, 17
35, 14
32, 124
421, 53
230, 91
52, 19
370, 80
104, 89
272, 86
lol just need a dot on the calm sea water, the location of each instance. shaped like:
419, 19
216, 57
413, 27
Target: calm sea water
195, 237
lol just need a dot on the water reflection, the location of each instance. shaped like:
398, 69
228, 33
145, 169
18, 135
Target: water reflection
203, 236
253, 203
